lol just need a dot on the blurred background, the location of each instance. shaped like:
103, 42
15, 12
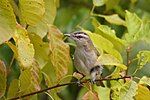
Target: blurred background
74, 13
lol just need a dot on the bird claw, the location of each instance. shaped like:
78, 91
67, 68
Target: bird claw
79, 83
93, 81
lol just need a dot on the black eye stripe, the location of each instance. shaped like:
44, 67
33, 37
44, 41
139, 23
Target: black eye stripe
80, 33
79, 36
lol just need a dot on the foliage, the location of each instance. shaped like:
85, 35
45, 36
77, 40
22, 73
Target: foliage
35, 54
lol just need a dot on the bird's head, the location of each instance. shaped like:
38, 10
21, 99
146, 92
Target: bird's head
80, 37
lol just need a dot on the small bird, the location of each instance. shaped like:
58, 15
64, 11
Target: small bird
85, 56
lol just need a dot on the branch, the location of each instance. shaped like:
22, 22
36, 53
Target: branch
60, 85
128, 50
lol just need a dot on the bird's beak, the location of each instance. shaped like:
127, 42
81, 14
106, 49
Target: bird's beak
68, 35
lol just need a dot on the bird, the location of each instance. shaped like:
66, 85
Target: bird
86, 55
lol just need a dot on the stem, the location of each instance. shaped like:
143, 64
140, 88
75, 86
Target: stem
128, 58
60, 85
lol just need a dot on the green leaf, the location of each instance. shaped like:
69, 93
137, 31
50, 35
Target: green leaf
99, 2
60, 56
110, 4
50, 79
41, 49
104, 44
123, 91
113, 19
143, 93
145, 80
3, 79
107, 59
115, 89
132, 20
128, 91
32, 11
143, 58
145, 31
13, 88
7, 21
25, 49
109, 34
140, 45
41, 28
103, 92
140, 30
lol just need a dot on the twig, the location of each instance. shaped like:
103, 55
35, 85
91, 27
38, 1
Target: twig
128, 50
60, 85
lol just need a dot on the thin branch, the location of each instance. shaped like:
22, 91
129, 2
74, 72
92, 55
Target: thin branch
65, 84
128, 50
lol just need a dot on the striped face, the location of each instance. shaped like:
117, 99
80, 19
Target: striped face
79, 36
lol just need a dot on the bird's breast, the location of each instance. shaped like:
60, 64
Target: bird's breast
84, 60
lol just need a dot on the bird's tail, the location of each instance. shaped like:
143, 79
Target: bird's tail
96, 73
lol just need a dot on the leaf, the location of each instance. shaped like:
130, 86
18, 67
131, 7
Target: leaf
90, 96
143, 93
107, 59
121, 91
41, 28
103, 92
32, 11
140, 30
140, 45
60, 57
132, 20
145, 80
50, 79
145, 33
25, 49
113, 19
109, 34
3, 79
41, 49
13, 88
7, 21
110, 4
99, 2
104, 44
30, 80
143, 58
128, 91
115, 89
59, 64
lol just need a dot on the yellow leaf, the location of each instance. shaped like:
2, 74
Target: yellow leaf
25, 49
32, 11
143, 93
7, 21
41, 28
60, 56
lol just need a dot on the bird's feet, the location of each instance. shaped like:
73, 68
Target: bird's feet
79, 83
93, 81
